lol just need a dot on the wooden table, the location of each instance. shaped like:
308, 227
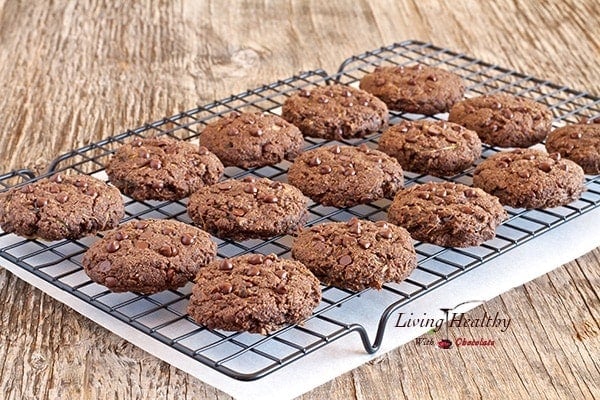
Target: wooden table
72, 73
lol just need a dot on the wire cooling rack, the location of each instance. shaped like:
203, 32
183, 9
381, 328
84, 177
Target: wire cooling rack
243, 356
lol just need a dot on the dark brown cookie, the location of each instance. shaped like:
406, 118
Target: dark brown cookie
253, 293
447, 214
149, 256
356, 254
335, 112
504, 120
530, 178
247, 209
437, 148
161, 168
61, 207
251, 140
417, 89
344, 176
579, 143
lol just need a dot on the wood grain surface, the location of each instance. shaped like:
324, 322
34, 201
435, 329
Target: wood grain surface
72, 73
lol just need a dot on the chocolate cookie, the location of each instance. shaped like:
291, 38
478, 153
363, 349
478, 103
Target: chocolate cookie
251, 140
437, 148
161, 168
335, 112
344, 176
417, 89
447, 214
579, 143
247, 209
148, 256
253, 293
504, 120
530, 178
61, 207
356, 254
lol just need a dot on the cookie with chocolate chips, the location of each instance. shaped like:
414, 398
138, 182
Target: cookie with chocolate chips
250, 208
530, 178
251, 140
335, 112
149, 256
419, 89
344, 176
579, 143
253, 293
447, 214
437, 148
356, 254
161, 168
61, 207
504, 120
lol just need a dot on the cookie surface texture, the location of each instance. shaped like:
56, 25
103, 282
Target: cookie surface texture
253, 293
447, 214
530, 178
504, 120
419, 89
161, 168
335, 112
344, 176
436, 148
251, 140
61, 207
356, 254
149, 256
248, 208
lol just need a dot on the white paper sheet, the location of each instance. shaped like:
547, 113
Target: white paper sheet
520, 265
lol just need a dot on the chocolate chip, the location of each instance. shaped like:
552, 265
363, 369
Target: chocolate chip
365, 244
225, 288
202, 151
270, 199
355, 229
470, 193
141, 224
345, 260
524, 174
276, 185
137, 142
385, 233
364, 148
121, 236
187, 239
381, 224
231, 131
168, 251
545, 166
143, 154
41, 202
315, 161
224, 186
80, 183
167, 231
497, 105
113, 246
155, 164
56, 178
238, 212
318, 238
256, 132
226, 265
412, 81
27, 189
90, 191
349, 172
281, 289
104, 266
502, 164
325, 169
434, 130
507, 113
379, 81
335, 149
347, 104
281, 274
411, 139
423, 195
346, 93
250, 189
323, 100
575, 135
555, 156
158, 186
249, 179
256, 259
304, 93
62, 198
253, 270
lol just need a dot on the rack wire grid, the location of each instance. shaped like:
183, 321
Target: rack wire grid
245, 356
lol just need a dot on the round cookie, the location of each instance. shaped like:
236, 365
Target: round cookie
344, 176
417, 89
161, 168
253, 293
251, 140
438, 148
356, 254
148, 256
504, 120
447, 214
61, 207
579, 143
335, 112
248, 209
530, 178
